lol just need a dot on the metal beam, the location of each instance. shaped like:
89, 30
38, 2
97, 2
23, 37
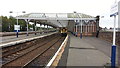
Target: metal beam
56, 18
47, 18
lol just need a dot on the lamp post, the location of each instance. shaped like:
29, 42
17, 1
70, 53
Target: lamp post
17, 20
78, 22
75, 24
81, 26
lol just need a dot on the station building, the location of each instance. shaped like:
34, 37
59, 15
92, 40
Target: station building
87, 27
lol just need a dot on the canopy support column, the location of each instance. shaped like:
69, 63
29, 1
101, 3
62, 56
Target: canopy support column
27, 22
44, 28
40, 28
76, 31
35, 27
47, 28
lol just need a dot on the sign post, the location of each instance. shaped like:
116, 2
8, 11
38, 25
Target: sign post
114, 12
119, 15
17, 28
119, 30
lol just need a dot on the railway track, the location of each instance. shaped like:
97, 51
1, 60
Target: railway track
28, 55
47, 55
15, 50
12, 49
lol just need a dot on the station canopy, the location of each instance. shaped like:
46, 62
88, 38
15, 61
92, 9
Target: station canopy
55, 19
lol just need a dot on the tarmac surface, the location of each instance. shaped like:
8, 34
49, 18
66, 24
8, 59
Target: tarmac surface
88, 51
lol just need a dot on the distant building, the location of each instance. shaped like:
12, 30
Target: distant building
110, 30
89, 26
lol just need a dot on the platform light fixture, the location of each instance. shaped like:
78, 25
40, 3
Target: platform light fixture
17, 19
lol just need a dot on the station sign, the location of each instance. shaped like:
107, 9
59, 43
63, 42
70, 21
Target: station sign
16, 27
114, 9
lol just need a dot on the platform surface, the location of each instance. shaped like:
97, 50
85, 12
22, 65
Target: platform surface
8, 39
88, 51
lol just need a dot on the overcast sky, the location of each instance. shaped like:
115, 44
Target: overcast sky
90, 7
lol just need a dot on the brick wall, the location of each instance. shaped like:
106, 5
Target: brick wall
108, 36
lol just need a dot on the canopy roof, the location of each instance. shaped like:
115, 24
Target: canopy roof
56, 19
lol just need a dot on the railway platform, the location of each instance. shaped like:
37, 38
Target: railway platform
86, 52
8, 39
81, 53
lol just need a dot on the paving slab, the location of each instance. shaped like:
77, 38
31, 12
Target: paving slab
82, 53
87, 57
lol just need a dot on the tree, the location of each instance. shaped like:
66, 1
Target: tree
8, 24
5, 24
